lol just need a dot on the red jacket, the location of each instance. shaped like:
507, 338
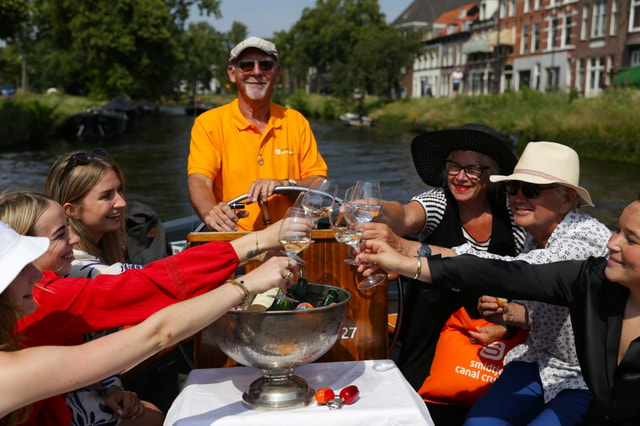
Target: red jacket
68, 308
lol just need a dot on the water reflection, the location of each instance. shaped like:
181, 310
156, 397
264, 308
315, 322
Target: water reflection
154, 161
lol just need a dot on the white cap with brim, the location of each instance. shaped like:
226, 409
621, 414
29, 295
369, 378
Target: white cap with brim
256, 43
16, 252
546, 163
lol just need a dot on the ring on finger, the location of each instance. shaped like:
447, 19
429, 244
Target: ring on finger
289, 274
288, 263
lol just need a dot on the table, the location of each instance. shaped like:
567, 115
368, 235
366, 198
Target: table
214, 397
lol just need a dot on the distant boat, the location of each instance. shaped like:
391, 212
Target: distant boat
195, 108
96, 122
120, 104
355, 120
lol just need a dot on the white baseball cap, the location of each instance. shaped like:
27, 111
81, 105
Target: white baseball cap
256, 42
16, 252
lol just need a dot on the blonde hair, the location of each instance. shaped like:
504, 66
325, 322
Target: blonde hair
70, 179
22, 209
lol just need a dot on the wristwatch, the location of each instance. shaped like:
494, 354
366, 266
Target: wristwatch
292, 182
424, 250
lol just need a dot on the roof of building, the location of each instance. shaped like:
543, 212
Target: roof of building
452, 21
426, 11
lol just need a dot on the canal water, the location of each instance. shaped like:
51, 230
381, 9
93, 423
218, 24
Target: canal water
154, 160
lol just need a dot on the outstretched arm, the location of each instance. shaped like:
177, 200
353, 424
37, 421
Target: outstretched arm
36, 373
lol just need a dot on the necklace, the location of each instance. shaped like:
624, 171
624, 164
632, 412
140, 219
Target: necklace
259, 152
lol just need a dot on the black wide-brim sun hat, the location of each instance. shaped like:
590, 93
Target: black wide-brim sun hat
431, 149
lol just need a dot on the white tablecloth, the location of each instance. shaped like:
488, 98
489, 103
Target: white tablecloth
214, 396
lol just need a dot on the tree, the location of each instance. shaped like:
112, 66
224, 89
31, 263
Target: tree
109, 47
13, 14
347, 45
202, 48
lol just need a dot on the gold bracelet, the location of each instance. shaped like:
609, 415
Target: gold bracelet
243, 290
419, 268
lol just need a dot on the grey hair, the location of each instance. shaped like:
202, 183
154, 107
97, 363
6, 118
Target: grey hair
561, 191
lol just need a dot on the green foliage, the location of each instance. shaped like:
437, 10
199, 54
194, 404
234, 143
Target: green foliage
300, 101
202, 47
24, 123
605, 127
13, 15
349, 44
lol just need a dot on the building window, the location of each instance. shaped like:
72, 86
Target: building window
535, 42
552, 78
567, 30
536, 4
634, 19
585, 22
553, 34
596, 74
580, 75
512, 8
525, 78
635, 58
613, 30
599, 18
524, 40
527, 6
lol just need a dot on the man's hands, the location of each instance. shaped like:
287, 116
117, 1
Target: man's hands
222, 218
263, 189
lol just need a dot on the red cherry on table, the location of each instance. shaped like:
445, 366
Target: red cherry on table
350, 394
324, 395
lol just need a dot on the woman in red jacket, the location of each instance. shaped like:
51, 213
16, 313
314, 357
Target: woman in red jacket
69, 308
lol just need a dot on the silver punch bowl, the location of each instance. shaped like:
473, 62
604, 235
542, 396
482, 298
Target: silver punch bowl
277, 342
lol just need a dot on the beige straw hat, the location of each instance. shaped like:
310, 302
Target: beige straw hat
546, 163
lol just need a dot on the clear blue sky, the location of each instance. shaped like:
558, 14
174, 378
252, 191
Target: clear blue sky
263, 18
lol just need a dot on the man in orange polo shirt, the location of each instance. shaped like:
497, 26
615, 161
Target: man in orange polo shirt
250, 145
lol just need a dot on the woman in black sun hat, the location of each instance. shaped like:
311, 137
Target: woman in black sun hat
461, 206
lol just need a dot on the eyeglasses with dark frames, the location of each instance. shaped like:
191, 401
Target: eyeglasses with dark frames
529, 190
82, 159
473, 171
248, 66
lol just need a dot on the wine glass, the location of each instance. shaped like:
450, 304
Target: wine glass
367, 200
367, 203
295, 232
317, 201
344, 226
294, 236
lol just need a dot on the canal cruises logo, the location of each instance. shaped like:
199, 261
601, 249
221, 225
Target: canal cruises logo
462, 369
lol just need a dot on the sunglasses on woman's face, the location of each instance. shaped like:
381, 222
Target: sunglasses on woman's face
529, 190
248, 66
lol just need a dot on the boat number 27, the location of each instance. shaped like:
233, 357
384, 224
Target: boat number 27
348, 332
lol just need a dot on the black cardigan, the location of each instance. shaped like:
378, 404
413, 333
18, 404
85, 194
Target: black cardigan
597, 308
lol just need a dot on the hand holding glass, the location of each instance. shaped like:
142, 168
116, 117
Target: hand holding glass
366, 200
344, 226
317, 201
295, 232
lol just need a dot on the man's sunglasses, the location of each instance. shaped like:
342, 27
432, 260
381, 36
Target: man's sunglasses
82, 159
248, 66
529, 190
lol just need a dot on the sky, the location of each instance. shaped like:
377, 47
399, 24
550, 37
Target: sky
263, 18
